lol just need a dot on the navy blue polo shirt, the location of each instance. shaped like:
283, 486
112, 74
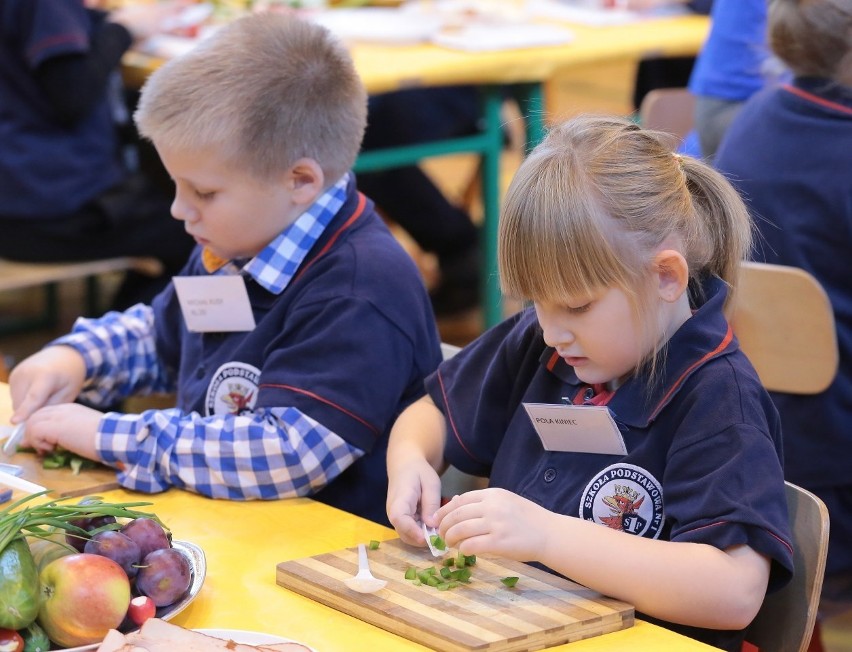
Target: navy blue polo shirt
704, 461
789, 153
347, 343
48, 170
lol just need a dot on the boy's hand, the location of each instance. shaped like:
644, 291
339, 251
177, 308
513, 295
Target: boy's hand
53, 375
495, 521
415, 485
73, 427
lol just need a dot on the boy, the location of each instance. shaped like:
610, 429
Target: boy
258, 127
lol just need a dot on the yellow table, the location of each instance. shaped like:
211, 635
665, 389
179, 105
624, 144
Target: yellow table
244, 541
392, 67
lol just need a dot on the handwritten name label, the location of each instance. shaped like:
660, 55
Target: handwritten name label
576, 428
214, 304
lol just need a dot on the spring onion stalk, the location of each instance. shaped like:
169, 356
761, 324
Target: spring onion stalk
41, 521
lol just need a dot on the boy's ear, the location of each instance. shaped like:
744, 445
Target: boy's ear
673, 274
306, 180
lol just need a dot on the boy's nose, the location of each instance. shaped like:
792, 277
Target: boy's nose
181, 210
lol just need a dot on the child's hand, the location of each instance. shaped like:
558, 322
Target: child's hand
53, 375
497, 522
73, 427
415, 485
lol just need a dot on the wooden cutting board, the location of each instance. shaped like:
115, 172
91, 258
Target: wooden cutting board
542, 610
62, 481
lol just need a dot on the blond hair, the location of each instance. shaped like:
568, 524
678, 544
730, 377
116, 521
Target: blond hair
264, 91
591, 205
813, 37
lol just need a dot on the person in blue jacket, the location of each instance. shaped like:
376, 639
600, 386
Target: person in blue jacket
628, 441
68, 192
734, 63
789, 152
329, 329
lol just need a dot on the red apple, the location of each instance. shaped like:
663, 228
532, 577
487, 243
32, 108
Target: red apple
83, 597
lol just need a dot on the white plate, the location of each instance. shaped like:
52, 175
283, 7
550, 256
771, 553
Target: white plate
249, 638
198, 565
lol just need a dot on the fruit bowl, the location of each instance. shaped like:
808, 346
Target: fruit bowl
198, 565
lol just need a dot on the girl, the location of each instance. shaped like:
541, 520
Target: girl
629, 255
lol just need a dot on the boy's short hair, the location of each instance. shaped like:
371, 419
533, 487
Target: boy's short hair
265, 91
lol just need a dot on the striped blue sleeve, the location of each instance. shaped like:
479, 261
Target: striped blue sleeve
120, 354
273, 453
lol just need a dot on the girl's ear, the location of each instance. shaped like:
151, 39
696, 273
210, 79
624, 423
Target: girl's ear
306, 181
673, 274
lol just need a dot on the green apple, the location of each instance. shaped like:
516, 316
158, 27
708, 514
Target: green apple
83, 596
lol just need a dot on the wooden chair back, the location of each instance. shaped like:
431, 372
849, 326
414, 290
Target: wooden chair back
671, 110
785, 325
786, 620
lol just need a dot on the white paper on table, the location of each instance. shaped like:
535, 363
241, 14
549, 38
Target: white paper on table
379, 24
593, 16
485, 38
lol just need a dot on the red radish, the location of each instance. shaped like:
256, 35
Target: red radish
141, 609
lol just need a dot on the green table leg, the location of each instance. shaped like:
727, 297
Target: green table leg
489, 145
492, 300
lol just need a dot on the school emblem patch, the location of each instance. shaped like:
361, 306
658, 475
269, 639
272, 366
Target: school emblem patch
625, 497
233, 389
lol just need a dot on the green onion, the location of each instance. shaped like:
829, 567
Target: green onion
40, 521
510, 581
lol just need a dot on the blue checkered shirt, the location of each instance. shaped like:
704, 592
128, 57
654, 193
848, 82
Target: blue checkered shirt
275, 452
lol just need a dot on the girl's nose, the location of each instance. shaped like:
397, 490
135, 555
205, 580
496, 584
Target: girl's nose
554, 332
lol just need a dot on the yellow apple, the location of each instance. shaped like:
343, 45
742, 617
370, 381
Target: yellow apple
83, 596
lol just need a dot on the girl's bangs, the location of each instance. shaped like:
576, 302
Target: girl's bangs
556, 243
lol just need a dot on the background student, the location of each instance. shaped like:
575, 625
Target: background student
629, 254
734, 63
789, 151
258, 126
67, 192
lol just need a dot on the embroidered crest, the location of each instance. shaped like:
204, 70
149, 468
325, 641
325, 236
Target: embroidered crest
625, 497
233, 389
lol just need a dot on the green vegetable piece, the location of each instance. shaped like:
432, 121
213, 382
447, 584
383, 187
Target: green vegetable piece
460, 561
433, 580
411, 573
437, 542
55, 461
453, 584
35, 639
443, 586
423, 576
374, 545
470, 560
449, 561
463, 575
417, 583
510, 581
446, 572
431, 570
19, 590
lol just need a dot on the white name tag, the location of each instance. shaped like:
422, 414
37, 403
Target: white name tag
214, 304
576, 428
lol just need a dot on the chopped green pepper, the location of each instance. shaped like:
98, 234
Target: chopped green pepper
411, 573
437, 542
510, 581
374, 545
